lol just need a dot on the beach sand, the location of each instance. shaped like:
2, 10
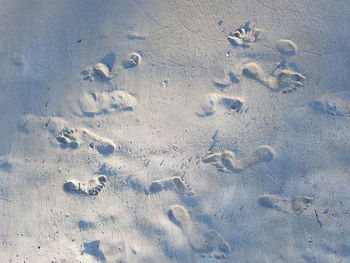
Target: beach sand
174, 131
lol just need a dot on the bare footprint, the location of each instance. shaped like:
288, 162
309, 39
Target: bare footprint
93, 187
102, 70
263, 153
132, 60
99, 71
286, 47
208, 244
67, 138
175, 183
297, 204
231, 103
300, 203
326, 107
282, 78
226, 161
289, 80
245, 36
97, 103
73, 138
227, 102
334, 104
103, 145
275, 202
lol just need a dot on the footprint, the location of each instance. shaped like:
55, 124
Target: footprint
230, 103
263, 153
73, 138
208, 244
175, 183
297, 204
286, 47
226, 161
93, 187
213, 246
300, 203
102, 70
289, 80
103, 145
282, 79
334, 104
98, 71
245, 36
326, 107
275, 202
132, 60
97, 103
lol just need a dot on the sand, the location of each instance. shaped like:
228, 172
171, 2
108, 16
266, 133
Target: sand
174, 131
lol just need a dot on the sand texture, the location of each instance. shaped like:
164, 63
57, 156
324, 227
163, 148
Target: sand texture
166, 131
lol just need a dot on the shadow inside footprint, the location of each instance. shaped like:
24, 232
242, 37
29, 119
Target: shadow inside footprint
73, 187
105, 149
180, 217
93, 248
5, 165
173, 218
244, 36
67, 139
155, 187
233, 77
84, 225
232, 103
109, 61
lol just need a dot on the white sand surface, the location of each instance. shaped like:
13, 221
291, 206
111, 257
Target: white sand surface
174, 131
